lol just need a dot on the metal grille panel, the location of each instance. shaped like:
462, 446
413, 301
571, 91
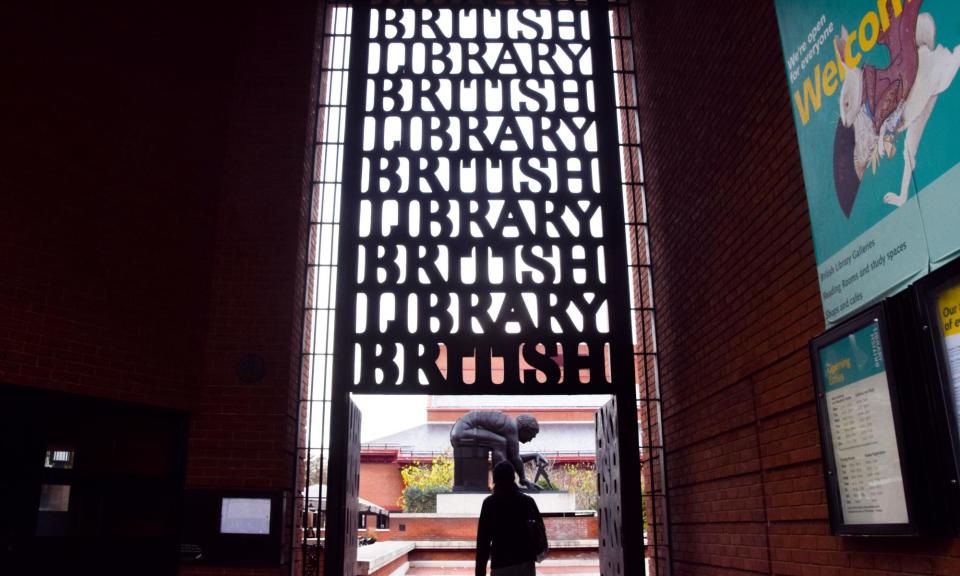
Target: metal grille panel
482, 248
483, 344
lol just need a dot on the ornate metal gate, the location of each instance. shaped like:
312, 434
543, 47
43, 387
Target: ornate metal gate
481, 229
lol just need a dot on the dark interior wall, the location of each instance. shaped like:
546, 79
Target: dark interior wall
152, 214
737, 302
244, 433
114, 116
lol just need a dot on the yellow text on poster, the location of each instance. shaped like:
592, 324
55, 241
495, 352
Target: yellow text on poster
949, 306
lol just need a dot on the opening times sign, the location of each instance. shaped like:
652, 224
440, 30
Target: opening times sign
483, 221
862, 430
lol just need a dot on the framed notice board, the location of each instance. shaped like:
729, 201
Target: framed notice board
235, 527
939, 299
861, 429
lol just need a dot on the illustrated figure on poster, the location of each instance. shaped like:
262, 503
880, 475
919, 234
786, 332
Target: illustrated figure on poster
500, 434
877, 104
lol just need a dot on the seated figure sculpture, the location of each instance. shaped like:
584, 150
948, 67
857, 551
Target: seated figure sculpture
501, 435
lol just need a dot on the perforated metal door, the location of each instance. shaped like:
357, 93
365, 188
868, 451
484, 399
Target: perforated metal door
343, 510
608, 491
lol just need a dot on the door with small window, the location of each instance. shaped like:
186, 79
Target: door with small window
89, 486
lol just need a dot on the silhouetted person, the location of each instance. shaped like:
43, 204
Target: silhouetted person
502, 534
499, 433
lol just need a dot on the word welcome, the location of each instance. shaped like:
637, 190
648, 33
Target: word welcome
826, 78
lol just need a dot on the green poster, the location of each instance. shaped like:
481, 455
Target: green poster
876, 107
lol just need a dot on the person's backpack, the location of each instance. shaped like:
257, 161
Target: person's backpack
537, 533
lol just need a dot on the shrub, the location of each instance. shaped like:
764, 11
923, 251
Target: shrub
421, 500
547, 485
422, 483
580, 480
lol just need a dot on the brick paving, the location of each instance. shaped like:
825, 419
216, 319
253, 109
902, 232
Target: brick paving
585, 570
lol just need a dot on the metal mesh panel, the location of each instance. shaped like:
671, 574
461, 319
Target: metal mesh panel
481, 245
320, 284
643, 310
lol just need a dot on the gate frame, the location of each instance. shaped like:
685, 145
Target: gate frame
344, 443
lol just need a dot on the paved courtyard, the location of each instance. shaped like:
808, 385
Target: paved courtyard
546, 568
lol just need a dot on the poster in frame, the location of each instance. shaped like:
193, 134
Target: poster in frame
861, 430
938, 297
235, 527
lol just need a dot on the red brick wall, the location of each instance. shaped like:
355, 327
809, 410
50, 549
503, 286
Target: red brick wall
541, 414
244, 434
153, 216
113, 141
381, 483
389, 568
227, 571
737, 303
583, 555
465, 528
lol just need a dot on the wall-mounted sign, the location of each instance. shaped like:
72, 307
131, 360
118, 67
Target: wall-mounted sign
948, 308
859, 420
939, 296
875, 102
245, 516
234, 527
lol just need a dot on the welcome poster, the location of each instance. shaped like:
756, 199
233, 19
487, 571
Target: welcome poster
876, 101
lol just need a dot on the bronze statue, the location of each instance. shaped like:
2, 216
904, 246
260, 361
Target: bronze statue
498, 433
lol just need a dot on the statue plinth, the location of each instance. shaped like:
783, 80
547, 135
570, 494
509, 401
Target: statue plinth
470, 469
469, 503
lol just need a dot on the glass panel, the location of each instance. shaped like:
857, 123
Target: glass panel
626, 89
59, 459
54, 498
245, 516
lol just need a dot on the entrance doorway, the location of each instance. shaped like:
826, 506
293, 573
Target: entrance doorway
412, 490
450, 518
89, 486
410, 500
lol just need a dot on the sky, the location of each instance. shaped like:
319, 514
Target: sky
384, 415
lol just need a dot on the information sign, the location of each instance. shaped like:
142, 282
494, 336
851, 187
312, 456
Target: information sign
939, 297
948, 312
859, 422
245, 516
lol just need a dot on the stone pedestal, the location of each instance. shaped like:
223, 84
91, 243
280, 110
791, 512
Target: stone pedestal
470, 469
470, 503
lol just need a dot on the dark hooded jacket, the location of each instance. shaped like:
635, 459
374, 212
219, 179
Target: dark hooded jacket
502, 533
